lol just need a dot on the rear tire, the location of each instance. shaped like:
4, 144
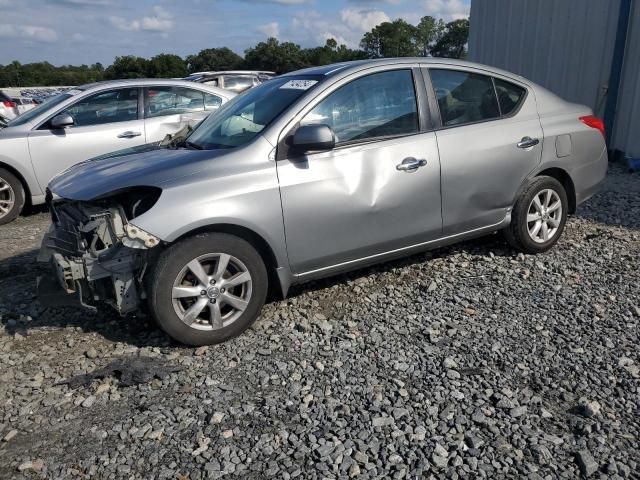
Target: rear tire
539, 216
208, 288
12, 197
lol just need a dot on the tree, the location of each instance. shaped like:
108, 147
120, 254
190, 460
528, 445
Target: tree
166, 66
428, 31
212, 59
128, 66
390, 39
275, 56
453, 41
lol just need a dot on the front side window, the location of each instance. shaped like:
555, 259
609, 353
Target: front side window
240, 120
464, 97
172, 100
377, 105
509, 96
105, 107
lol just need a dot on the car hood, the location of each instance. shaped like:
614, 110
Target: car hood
148, 165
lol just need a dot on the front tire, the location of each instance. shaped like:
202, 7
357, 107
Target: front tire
11, 197
208, 288
539, 216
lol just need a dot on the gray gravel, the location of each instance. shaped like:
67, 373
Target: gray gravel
470, 361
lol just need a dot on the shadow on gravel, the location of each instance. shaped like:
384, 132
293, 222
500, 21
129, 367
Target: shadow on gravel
32, 210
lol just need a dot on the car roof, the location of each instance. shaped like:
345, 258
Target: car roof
233, 72
142, 82
356, 65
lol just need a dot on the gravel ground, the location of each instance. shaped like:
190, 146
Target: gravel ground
469, 361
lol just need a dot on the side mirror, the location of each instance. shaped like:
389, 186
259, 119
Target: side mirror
313, 137
62, 120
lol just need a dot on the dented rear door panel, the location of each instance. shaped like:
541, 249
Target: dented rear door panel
483, 169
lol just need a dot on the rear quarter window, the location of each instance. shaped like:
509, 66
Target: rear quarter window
510, 96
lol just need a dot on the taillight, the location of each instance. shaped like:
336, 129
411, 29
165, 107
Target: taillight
593, 122
9, 104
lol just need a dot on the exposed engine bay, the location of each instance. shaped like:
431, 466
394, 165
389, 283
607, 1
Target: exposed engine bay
96, 254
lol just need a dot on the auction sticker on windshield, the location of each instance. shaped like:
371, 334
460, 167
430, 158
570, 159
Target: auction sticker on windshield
298, 84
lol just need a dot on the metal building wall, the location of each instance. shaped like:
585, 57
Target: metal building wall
627, 121
564, 45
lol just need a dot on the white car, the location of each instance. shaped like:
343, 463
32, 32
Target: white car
90, 121
8, 108
23, 104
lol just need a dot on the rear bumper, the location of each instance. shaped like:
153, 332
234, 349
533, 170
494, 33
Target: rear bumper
589, 178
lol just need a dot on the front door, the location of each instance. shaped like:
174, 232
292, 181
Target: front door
377, 191
490, 139
104, 122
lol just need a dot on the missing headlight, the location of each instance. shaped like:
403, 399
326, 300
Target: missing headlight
134, 200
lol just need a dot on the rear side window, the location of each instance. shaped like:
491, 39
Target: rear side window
378, 105
105, 107
238, 82
464, 97
172, 100
510, 96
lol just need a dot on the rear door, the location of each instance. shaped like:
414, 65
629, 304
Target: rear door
378, 189
104, 122
489, 138
167, 109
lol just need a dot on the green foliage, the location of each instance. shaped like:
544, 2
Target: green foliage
275, 56
128, 66
389, 39
214, 59
430, 37
167, 66
452, 42
43, 73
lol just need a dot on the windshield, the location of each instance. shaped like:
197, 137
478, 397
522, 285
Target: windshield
239, 121
43, 107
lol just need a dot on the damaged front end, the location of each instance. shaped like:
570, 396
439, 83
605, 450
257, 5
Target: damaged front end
96, 254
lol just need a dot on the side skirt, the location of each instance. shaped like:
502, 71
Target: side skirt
399, 253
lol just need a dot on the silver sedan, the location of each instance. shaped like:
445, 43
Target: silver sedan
318, 172
93, 120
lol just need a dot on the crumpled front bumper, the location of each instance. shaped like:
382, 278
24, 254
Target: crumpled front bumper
94, 257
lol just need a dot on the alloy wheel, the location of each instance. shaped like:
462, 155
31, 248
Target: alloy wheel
7, 197
544, 216
212, 291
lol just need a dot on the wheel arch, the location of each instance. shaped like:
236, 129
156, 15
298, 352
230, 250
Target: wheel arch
14, 171
565, 179
279, 278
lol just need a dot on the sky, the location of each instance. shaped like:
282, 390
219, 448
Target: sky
89, 31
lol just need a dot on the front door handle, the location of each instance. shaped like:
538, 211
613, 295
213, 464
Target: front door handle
129, 134
410, 164
527, 142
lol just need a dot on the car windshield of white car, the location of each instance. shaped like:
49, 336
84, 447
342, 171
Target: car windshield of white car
239, 121
43, 107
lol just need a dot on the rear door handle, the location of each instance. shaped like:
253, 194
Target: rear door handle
410, 164
527, 142
129, 134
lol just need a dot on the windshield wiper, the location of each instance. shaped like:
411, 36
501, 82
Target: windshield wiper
192, 145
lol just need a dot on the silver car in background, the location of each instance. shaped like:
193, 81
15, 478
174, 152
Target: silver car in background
93, 120
318, 172
235, 80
